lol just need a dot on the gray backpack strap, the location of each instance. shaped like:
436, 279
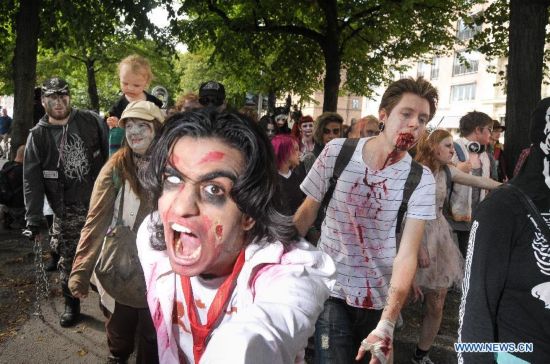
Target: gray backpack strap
413, 179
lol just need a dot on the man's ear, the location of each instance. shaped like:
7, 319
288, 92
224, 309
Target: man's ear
247, 222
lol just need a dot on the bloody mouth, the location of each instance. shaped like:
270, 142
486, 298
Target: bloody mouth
404, 141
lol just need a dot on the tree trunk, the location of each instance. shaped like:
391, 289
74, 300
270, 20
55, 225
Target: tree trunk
331, 53
528, 19
332, 80
271, 99
92, 86
24, 70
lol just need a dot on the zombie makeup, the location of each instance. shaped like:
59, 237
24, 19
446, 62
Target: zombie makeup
306, 129
281, 120
57, 106
203, 227
404, 141
139, 134
444, 151
331, 131
270, 131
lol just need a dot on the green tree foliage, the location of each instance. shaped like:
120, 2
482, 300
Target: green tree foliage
299, 44
63, 63
517, 29
84, 34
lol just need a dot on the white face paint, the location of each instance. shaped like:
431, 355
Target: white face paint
139, 134
545, 147
307, 129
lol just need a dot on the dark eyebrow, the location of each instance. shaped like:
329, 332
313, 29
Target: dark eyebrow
219, 173
205, 177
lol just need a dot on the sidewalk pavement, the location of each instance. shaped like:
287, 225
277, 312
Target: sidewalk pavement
44, 341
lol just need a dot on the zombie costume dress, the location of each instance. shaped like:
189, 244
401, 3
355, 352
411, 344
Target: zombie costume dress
446, 262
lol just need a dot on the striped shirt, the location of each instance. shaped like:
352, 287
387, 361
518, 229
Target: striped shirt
359, 228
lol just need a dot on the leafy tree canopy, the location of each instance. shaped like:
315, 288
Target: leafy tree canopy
299, 44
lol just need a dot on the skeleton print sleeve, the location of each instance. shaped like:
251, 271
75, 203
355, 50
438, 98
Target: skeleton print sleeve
489, 247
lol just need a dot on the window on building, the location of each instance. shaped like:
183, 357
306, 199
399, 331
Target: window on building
466, 31
421, 69
465, 62
434, 72
355, 104
463, 92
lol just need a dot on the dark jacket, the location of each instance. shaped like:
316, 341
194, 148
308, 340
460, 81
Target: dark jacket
14, 174
62, 162
506, 284
118, 107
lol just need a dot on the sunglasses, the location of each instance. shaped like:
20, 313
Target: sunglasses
333, 131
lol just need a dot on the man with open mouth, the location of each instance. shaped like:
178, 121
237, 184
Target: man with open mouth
227, 278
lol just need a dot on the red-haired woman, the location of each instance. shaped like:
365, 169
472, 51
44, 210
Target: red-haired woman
302, 130
291, 172
439, 259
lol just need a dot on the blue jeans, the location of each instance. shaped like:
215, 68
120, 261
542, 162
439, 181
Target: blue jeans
340, 330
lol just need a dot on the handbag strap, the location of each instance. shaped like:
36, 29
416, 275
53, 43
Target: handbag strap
528, 203
120, 205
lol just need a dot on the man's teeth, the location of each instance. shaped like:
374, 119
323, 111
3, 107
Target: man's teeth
181, 229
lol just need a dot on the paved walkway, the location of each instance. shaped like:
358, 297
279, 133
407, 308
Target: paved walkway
44, 341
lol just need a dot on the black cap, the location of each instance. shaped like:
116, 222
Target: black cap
211, 92
55, 85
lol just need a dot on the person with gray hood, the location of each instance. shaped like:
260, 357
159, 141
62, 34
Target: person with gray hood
63, 156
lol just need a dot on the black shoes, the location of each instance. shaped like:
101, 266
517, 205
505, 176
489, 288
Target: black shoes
116, 360
51, 266
72, 312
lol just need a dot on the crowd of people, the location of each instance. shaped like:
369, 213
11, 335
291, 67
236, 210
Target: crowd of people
212, 236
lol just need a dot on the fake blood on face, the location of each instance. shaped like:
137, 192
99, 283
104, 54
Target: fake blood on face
404, 141
212, 157
219, 231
